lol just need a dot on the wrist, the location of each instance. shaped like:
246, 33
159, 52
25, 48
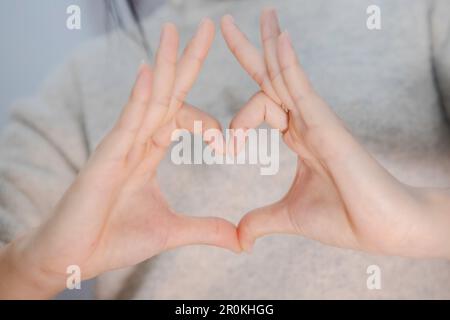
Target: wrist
24, 275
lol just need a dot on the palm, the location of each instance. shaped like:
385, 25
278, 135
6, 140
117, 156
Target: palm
137, 227
315, 209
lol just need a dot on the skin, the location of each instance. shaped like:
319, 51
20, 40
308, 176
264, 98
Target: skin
114, 214
340, 195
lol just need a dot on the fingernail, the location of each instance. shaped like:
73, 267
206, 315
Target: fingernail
200, 26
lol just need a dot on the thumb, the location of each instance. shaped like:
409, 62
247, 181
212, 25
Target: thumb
186, 230
263, 221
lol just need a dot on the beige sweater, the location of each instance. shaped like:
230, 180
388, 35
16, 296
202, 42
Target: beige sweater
392, 87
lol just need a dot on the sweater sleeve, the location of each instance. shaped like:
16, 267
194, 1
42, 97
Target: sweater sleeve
440, 34
42, 147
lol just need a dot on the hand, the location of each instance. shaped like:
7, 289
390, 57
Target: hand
340, 195
114, 214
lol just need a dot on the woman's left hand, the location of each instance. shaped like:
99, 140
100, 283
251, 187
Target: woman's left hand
340, 195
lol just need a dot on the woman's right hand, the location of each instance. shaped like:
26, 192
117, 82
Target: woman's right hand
114, 215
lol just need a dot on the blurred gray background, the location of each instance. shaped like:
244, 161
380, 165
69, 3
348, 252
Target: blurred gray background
35, 39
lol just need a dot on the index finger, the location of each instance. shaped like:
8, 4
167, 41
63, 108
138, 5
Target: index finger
270, 31
163, 82
190, 64
248, 56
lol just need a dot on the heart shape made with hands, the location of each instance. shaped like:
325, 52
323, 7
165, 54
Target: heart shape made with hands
124, 219
313, 207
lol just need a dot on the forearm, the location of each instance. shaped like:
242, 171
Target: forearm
22, 278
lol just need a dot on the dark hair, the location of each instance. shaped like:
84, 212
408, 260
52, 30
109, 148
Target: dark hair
116, 15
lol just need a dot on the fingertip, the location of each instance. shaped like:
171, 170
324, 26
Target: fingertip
169, 28
228, 26
216, 141
229, 238
207, 22
269, 23
238, 141
267, 12
245, 239
247, 246
169, 35
206, 31
236, 247
144, 68
215, 124
212, 231
227, 19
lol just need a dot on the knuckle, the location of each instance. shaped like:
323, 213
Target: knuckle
162, 101
285, 68
195, 57
180, 96
269, 38
258, 76
168, 59
274, 76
